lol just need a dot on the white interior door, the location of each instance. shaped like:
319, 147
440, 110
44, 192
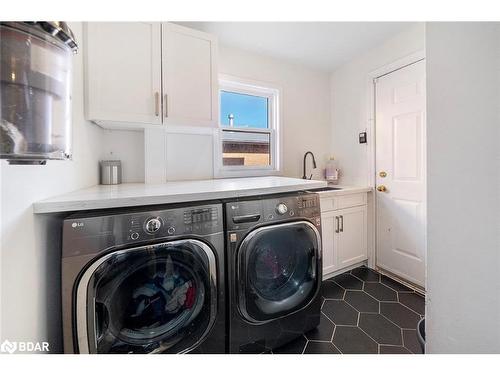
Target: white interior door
400, 168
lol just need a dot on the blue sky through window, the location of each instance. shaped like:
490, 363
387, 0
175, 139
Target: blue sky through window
249, 111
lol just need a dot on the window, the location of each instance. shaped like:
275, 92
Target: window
243, 110
248, 142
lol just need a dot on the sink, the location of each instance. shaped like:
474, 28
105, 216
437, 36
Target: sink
328, 188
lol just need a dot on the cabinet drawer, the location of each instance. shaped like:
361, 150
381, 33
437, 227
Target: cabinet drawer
327, 204
342, 201
351, 200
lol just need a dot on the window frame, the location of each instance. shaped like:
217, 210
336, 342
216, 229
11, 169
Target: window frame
255, 88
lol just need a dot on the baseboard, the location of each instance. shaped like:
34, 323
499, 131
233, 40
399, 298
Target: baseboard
409, 284
345, 269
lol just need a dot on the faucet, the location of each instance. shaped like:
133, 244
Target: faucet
314, 165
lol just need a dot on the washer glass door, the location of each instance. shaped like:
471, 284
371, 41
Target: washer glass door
278, 269
152, 299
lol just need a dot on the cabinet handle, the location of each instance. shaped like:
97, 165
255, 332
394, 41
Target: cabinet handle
157, 104
341, 223
336, 224
166, 105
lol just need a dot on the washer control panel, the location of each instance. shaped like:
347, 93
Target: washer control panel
201, 220
87, 232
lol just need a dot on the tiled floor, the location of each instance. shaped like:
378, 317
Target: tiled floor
363, 312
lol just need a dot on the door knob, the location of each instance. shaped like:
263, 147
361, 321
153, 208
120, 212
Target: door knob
381, 188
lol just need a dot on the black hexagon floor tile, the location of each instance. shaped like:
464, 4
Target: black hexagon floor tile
295, 347
379, 326
389, 349
380, 329
366, 274
361, 301
411, 341
339, 312
348, 281
315, 347
394, 284
323, 332
331, 290
399, 314
413, 301
380, 292
352, 340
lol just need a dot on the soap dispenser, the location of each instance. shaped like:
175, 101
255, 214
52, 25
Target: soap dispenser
332, 171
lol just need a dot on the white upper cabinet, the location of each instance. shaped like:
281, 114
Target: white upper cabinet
140, 74
189, 76
123, 72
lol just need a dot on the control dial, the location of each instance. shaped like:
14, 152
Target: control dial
281, 209
153, 225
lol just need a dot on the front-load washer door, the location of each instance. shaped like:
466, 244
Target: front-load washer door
278, 270
153, 299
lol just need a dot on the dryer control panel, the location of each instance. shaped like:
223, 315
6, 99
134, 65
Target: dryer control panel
249, 213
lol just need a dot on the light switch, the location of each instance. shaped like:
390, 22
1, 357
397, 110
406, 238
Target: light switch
362, 137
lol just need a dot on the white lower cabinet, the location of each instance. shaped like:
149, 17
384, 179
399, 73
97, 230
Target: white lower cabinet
344, 237
328, 225
350, 244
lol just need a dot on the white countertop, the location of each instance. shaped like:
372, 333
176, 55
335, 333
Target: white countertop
128, 195
344, 189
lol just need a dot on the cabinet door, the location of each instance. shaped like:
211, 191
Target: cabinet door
328, 232
123, 72
190, 83
351, 241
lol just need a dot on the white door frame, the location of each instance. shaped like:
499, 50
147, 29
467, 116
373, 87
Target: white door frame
371, 146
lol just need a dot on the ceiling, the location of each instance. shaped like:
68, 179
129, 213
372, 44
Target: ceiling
319, 45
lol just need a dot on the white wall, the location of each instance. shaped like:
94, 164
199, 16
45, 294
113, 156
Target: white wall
305, 119
189, 156
127, 146
463, 131
306, 104
350, 101
30, 252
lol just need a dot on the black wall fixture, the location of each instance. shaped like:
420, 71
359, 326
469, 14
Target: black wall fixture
362, 137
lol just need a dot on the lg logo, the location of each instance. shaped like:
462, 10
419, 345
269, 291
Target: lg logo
77, 224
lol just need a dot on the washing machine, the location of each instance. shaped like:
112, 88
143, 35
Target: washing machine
147, 280
273, 256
